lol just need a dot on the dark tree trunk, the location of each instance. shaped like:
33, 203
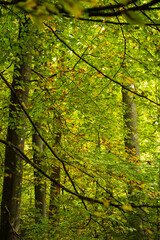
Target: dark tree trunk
12, 184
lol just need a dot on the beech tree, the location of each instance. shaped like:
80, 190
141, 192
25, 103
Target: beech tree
131, 141
13, 166
40, 188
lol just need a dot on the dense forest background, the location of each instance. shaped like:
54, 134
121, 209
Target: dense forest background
79, 119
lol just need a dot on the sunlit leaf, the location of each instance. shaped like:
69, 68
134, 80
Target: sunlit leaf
127, 207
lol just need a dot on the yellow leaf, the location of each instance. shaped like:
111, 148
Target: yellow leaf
30, 4
106, 203
98, 214
145, 209
142, 185
127, 207
149, 231
126, 79
20, 145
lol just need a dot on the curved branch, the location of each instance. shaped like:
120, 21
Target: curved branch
99, 71
27, 160
81, 197
37, 130
108, 22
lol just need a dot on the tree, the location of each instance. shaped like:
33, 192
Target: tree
130, 120
133, 154
55, 172
11, 196
40, 186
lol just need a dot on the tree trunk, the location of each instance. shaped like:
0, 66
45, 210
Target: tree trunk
130, 119
54, 192
133, 153
55, 174
12, 184
40, 188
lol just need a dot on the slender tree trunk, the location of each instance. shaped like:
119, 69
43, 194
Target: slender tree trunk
130, 120
54, 192
55, 170
55, 174
11, 196
133, 153
158, 200
40, 186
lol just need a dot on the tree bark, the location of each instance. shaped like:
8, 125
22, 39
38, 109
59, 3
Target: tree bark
12, 184
40, 188
130, 119
133, 153
54, 192
55, 174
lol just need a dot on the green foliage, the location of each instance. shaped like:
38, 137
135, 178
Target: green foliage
69, 97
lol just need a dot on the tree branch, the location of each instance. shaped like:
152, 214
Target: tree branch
27, 160
99, 71
81, 197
